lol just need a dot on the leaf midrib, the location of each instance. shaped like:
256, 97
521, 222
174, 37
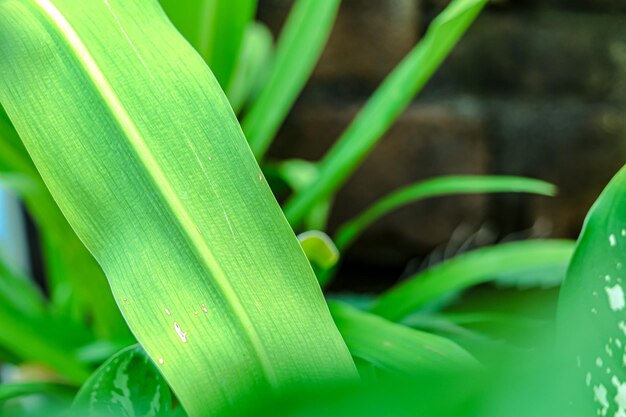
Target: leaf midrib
173, 203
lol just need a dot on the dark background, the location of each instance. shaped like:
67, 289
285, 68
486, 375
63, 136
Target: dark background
535, 88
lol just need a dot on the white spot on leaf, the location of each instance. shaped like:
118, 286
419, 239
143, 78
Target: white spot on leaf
180, 333
600, 397
620, 397
616, 297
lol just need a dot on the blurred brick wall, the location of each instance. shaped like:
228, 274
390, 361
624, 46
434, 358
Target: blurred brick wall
536, 88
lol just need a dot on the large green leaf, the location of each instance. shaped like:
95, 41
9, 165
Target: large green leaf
437, 187
469, 269
140, 148
129, 385
384, 107
299, 47
592, 309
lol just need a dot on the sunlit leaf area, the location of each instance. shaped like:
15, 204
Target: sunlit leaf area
385, 208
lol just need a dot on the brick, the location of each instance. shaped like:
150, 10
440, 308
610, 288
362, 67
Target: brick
539, 54
577, 146
368, 39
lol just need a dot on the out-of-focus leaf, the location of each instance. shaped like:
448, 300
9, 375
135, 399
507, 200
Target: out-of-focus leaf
541, 277
437, 187
19, 292
128, 384
470, 269
98, 351
384, 107
394, 347
13, 156
139, 146
10, 391
253, 66
39, 338
215, 28
300, 174
319, 248
592, 308
299, 47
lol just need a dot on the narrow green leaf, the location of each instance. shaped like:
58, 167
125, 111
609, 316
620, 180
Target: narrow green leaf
253, 66
224, 34
472, 268
384, 107
319, 248
394, 347
436, 187
299, 47
140, 148
215, 28
129, 385
592, 309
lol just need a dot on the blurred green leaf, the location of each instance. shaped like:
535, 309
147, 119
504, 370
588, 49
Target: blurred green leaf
394, 347
205, 269
13, 156
253, 66
299, 175
40, 338
10, 391
319, 248
128, 384
468, 269
299, 47
215, 28
19, 291
437, 187
384, 107
592, 308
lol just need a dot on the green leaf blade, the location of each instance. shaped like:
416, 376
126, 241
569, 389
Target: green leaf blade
463, 271
158, 181
299, 47
436, 187
384, 107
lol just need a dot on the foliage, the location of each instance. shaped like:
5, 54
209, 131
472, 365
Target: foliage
140, 149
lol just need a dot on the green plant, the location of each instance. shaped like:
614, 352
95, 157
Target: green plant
138, 144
